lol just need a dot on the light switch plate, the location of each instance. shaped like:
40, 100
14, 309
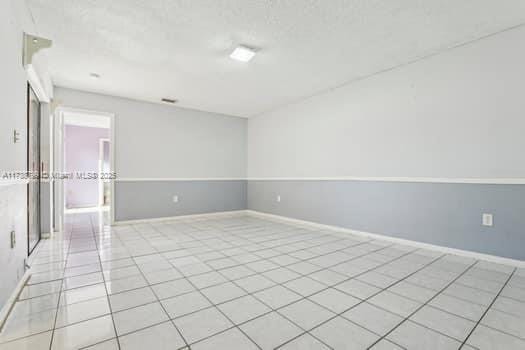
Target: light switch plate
16, 136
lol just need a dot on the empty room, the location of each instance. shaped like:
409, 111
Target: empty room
262, 174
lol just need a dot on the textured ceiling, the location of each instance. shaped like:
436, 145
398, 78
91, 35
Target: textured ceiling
150, 49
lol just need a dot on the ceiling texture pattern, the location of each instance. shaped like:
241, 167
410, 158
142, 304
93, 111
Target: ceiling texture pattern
150, 49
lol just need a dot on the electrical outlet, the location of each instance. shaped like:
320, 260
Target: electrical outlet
175, 199
487, 220
13, 239
278, 198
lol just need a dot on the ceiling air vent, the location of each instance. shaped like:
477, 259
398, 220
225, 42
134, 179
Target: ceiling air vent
168, 100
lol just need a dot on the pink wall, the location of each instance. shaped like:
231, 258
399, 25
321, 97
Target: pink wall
81, 155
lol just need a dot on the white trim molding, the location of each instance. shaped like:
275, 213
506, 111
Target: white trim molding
10, 303
82, 111
36, 84
460, 252
481, 181
151, 179
87, 120
6, 309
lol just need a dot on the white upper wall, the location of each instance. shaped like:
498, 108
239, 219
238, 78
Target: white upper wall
14, 20
460, 114
13, 156
13, 91
158, 141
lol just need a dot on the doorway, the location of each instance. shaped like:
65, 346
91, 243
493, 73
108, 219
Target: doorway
85, 160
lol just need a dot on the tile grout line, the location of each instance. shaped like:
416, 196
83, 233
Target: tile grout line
319, 291
180, 315
438, 293
260, 273
487, 310
98, 239
353, 258
251, 275
59, 299
425, 304
307, 331
227, 281
162, 306
216, 308
286, 266
371, 296
268, 259
106, 289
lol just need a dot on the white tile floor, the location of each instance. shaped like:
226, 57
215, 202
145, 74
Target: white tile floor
246, 283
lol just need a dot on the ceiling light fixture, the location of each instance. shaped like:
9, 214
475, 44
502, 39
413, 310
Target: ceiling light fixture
242, 53
94, 75
168, 100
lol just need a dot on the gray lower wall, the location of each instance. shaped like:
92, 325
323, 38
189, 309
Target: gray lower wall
437, 213
154, 199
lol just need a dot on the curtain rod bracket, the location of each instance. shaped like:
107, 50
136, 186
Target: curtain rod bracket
33, 44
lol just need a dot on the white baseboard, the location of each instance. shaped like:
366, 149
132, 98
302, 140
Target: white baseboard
183, 217
6, 309
460, 252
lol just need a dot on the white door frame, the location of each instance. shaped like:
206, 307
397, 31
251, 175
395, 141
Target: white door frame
50, 173
101, 181
58, 148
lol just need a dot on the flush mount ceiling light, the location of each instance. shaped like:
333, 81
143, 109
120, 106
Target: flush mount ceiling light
242, 53
94, 75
